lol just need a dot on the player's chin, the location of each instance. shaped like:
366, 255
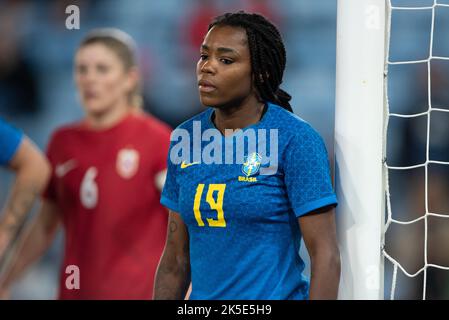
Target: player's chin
209, 100
94, 107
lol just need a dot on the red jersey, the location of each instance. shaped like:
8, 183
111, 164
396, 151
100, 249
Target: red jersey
104, 185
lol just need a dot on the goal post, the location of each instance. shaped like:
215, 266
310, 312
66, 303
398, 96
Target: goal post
359, 145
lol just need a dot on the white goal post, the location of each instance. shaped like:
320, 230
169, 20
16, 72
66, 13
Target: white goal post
359, 145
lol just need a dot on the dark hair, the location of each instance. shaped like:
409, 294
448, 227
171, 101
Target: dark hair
124, 47
268, 56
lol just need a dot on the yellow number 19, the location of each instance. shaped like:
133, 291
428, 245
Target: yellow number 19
215, 204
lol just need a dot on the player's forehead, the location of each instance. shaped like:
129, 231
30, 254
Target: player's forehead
94, 53
226, 37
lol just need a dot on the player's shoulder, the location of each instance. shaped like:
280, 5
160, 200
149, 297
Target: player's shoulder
66, 130
290, 125
150, 123
201, 117
7, 130
5, 125
62, 136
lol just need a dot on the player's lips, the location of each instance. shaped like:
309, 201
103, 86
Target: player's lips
90, 95
206, 86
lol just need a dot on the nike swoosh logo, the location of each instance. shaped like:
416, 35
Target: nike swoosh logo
62, 169
186, 165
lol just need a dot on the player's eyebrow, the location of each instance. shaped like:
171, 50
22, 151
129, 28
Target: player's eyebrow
221, 49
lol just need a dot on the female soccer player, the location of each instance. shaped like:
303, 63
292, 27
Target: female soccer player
106, 182
233, 231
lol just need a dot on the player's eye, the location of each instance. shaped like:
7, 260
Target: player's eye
81, 69
203, 57
226, 61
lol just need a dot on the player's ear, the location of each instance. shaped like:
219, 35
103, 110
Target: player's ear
260, 78
260, 75
132, 79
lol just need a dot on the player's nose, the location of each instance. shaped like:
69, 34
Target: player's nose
208, 66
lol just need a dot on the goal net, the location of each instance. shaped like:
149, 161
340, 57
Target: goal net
415, 261
392, 147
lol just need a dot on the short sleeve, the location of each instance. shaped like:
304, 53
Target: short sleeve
160, 153
10, 139
307, 172
170, 193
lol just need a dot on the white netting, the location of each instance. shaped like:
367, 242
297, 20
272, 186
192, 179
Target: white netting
428, 161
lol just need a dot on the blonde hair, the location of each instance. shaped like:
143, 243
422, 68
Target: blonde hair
123, 45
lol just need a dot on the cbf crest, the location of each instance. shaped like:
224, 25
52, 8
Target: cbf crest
251, 164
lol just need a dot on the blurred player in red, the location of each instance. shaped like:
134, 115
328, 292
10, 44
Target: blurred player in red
108, 171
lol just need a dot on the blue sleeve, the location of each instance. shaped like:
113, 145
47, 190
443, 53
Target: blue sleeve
10, 139
307, 173
170, 192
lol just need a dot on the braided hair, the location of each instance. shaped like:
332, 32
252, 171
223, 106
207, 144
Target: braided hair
267, 51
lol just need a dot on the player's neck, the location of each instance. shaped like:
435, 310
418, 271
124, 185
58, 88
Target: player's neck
107, 119
238, 117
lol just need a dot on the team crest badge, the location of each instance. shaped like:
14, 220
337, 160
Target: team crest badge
251, 164
127, 163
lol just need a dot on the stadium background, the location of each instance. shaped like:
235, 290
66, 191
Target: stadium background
37, 92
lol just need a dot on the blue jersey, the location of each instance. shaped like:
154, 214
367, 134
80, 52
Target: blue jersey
10, 139
241, 219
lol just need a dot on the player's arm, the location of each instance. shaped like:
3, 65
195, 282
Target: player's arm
32, 171
173, 273
319, 231
34, 242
